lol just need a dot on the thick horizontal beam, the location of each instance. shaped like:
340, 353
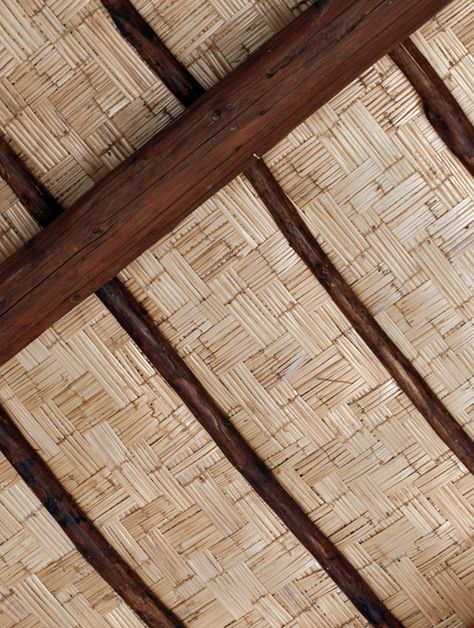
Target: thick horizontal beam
142, 329
249, 111
87, 539
440, 106
398, 365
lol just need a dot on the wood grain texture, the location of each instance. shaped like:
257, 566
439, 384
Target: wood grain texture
249, 111
36, 473
144, 39
400, 368
82, 532
440, 106
142, 329
135, 320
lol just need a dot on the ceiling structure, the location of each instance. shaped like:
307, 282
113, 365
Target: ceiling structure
255, 346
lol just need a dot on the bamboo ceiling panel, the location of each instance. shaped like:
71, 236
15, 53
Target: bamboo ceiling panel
389, 204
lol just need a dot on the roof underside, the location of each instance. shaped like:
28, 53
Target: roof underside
390, 205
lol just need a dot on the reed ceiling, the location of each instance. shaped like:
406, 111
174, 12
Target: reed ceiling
392, 208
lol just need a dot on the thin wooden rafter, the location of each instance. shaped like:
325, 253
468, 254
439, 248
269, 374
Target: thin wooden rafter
249, 111
139, 325
300, 238
74, 522
120, 302
441, 108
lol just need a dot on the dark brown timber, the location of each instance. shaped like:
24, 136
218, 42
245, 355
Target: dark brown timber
82, 532
135, 320
441, 108
400, 368
144, 39
36, 473
31, 192
248, 112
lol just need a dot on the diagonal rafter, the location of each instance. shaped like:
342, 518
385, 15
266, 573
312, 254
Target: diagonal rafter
249, 111
300, 238
142, 329
135, 320
441, 108
87, 539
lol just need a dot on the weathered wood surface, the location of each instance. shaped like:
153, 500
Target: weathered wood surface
152, 50
248, 112
135, 320
78, 527
440, 106
400, 368
146, 43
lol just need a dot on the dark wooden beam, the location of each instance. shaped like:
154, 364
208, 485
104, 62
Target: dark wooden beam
88, 540
81, 531
152, 50
400, 368
249, 111
447, 117
440, 106
135, 320
39, 202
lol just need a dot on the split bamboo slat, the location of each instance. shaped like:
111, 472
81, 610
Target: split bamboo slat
382, 486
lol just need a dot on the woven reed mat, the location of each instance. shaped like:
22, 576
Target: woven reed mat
390, 205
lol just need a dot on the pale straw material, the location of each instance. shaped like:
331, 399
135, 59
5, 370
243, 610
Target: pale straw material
389, 204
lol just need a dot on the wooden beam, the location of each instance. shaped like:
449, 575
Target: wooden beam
440, 106
141, 328
81, 531
249, 111
135, 320
143, 38
400, 368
